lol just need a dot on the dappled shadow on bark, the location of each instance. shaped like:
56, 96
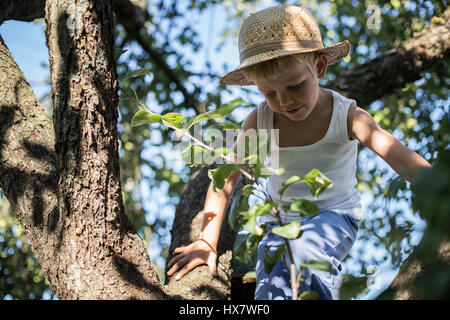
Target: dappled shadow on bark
131, 274
212, 293
15, 181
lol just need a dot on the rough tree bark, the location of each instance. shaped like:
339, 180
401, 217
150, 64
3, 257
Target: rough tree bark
64, 185
82, 238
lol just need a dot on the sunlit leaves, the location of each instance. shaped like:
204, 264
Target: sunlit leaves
222, 111
175, 119
318, 265
287, 183
140, 72
249, 216
143, 117
289, 231
219, 175
304, 207
308, 295
317, 182
193, 155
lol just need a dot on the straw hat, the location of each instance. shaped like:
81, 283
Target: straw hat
279, 31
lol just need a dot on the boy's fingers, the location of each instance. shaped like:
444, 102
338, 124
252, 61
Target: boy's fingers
176, 263
212, 263
188, 267
175, 259
178, 250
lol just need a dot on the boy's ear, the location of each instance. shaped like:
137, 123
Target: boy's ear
321, 66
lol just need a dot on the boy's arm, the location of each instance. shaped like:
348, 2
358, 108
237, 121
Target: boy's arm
214, 209
216, 203
404, 161
205, 251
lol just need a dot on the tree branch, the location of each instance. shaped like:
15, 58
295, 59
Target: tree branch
397, 67
21, 10
27, 161
101, 256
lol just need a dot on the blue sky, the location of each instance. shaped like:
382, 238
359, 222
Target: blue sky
26, 41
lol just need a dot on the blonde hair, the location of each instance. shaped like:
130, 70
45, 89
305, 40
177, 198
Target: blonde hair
271, 68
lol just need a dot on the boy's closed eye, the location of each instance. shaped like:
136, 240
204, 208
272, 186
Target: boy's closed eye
292, 87
297, 86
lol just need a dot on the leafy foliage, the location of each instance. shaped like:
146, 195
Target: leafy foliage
416, 114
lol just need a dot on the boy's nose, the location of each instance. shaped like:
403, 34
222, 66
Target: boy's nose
284, 100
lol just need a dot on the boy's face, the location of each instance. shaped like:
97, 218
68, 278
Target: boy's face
294, 93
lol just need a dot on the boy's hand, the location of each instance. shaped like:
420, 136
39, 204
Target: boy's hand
191, 256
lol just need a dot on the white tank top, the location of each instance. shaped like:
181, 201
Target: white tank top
334, 155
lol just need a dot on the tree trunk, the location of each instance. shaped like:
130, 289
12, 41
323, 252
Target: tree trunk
66, 189
101, 255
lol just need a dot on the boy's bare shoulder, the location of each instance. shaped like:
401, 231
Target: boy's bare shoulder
357, 118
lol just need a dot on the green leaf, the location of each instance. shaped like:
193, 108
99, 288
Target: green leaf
211, 156
175, 119
271, 260
238, 209
192, 154
289, 231
118, 52
308, 295
253, 227
219, 175
304, 207
259, 209
247, 190
219, 151
287, 183
249, 216
300, 278
144, 117
245, 251
220, 112
318, 265
136, 73
317, 182
263, 208
259, 167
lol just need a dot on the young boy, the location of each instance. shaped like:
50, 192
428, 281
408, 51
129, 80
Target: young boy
281, 52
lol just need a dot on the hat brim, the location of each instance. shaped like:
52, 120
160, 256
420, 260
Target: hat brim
334, 53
